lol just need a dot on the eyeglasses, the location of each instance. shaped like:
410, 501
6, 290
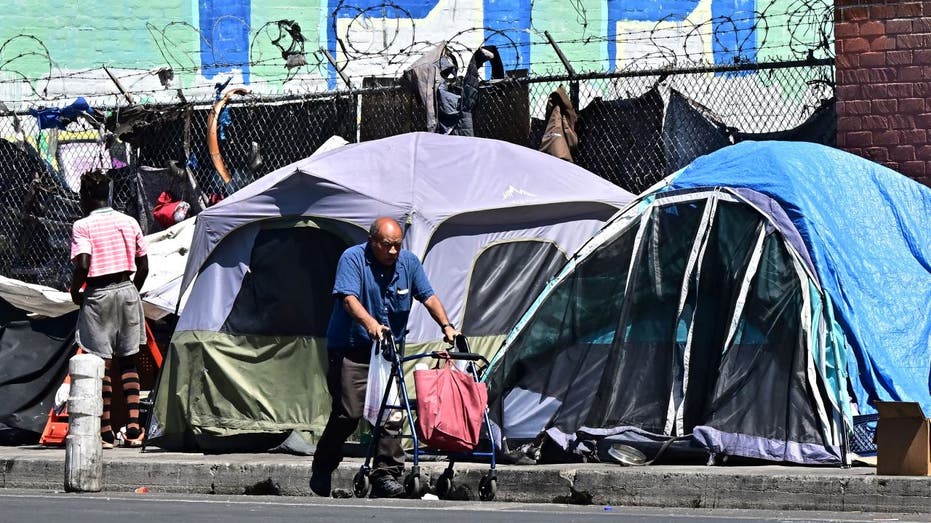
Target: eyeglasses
388, 245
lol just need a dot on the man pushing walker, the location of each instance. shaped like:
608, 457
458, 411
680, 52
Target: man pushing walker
376, 283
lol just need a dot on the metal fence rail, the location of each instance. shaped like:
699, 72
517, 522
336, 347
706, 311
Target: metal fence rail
634, 128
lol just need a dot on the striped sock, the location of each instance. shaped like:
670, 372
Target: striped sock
130, 381
106, 432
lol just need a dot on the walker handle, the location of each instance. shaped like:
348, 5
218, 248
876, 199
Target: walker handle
469, 356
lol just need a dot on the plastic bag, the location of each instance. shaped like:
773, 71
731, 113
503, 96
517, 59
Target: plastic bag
379, 378
61, 397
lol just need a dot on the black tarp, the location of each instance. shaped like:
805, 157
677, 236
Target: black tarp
34, 356
820, 127
621, 140
690, 131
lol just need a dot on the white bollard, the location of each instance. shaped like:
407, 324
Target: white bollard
83, 452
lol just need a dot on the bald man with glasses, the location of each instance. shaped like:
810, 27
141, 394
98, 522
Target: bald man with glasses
376, 283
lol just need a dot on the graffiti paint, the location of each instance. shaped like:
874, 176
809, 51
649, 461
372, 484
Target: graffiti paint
736, 41
507, 24
224, 46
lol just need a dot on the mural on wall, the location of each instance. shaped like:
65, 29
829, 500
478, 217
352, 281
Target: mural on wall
282, 45
735, 20
371, 31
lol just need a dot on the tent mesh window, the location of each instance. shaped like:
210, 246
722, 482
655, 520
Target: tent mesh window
640, 369
306, 258
503, 278
755, 383
568, 338
711, 301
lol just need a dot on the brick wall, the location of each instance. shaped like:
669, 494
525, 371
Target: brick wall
883, 51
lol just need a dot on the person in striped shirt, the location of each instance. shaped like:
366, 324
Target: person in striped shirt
110, 266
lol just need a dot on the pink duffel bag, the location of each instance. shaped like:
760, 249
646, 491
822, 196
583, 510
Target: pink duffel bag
450, 408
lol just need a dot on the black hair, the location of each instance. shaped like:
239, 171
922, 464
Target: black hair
95, 185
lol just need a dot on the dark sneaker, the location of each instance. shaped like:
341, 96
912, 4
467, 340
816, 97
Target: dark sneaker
385, 486
320, 483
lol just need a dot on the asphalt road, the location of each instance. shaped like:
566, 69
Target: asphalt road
25, 506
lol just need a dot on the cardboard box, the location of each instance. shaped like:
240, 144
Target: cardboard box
903, 439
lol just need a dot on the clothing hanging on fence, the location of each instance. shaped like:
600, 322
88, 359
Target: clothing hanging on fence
690, 131
34, 355
426, 75
559, 137
464, 125
60, 117
432, 80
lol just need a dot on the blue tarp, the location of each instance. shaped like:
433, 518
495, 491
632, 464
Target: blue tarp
868, 232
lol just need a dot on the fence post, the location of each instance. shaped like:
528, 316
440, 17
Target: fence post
116, 81
339, 70
83, 451
573, 81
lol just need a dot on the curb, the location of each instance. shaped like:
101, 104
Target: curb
767, 487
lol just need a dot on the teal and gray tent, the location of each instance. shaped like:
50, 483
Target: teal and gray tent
491, 221
735, 305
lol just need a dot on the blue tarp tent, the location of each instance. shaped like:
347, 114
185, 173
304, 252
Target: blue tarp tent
735, 306
867, 230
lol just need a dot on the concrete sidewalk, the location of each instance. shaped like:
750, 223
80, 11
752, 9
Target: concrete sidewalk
757, 487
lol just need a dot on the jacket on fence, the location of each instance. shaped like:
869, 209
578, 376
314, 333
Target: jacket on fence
470, 87
426, 76
431, 78
559, 137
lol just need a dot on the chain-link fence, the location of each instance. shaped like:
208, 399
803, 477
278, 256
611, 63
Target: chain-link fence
633, 129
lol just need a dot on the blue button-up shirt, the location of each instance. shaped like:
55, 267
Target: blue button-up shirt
385, 292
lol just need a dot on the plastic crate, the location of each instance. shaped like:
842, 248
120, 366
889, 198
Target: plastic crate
864, 428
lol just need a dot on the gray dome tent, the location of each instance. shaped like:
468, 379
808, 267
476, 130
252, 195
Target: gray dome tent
491, 222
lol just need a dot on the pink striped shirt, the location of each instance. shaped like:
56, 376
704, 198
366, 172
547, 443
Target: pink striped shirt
113, 240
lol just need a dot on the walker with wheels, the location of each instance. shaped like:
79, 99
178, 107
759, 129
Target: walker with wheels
415, 485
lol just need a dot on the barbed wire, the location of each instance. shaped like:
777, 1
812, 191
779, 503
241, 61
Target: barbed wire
799, 29
629, 133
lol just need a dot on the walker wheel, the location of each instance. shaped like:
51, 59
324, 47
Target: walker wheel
361, 486
414, 486
487, 488
444, 484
